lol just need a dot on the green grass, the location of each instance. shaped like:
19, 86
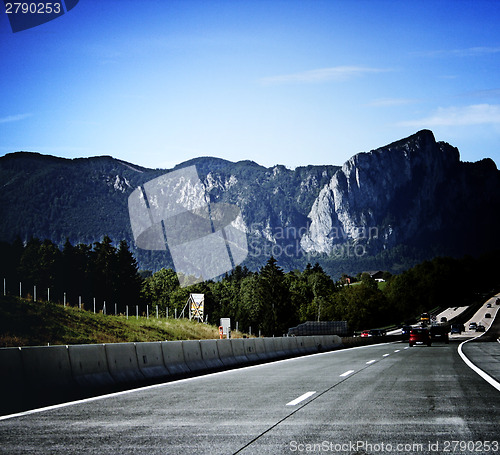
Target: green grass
28, 323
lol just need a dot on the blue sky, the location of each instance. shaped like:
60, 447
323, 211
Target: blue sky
158, 82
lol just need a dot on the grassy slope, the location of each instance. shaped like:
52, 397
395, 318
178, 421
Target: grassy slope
27, 323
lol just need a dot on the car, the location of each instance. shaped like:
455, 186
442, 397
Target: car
377, 333
405, 332
457, 328
487, 315
472, 326
366, 333
440, 332
443, 319
480, 328
419, 335
488, 305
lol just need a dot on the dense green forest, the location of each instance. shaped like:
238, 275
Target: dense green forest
269, 300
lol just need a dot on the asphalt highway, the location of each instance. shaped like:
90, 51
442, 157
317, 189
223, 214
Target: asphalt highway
384, 398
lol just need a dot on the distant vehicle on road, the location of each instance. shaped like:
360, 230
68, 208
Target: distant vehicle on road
480, 328
419, 335
440, 332
405, 332
365, 333
377, 333
488, 305
444, 319
487, 315
424, 317
473, 326
457, 328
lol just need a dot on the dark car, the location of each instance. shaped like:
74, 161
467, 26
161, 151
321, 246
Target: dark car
487, 315
480, 328
443, 319
440, 332
473, 326
457, 328
419, 335
377, 333
488, 305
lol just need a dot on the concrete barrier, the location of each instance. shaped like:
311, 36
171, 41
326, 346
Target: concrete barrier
12, 385
89, 366
239, 351
150, 360
192, 356
226, 355
47, 375
279, 348
173, 358
260, 350
290, 346
301, 345
310, 345
273, 353
331, 342
210, 354
123, 365
34, 376
250, 353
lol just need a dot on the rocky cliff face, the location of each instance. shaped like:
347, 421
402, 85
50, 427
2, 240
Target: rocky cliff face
412, 191
415, 192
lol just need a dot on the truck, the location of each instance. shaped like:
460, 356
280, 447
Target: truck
309, 328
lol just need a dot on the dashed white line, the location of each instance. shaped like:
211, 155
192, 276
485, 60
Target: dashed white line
370, 362
397, 350
303, 397
347, 373
385, 355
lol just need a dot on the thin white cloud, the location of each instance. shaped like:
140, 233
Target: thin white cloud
477, 114
14, 118
337, 73
467, 52
387, 102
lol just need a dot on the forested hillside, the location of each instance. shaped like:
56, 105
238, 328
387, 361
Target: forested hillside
268, 301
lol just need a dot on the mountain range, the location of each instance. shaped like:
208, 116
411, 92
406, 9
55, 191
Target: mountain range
384, 209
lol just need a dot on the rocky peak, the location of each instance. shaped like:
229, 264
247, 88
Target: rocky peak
401, 180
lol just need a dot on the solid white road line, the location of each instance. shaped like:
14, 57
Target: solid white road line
301, 398
347, 373
478, 370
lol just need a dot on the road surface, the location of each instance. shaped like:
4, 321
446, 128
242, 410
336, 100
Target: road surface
384, 398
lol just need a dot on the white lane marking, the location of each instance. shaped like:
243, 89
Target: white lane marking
385, 355
407, 347
478, 370
347, 373
303, 397
370, 362
397, 350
